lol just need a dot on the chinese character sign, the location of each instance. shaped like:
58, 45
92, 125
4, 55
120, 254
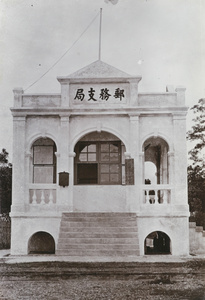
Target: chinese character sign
102, 94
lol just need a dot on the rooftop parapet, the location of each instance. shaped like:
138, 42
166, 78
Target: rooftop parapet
169, 98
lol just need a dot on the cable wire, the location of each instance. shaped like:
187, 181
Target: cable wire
64, 53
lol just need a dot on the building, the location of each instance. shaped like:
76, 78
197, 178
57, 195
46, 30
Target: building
100, 154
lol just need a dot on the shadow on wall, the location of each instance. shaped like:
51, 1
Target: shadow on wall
41, 243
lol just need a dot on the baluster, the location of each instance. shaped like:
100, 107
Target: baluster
42, 197
161, 197
34, 198
51, 197
166, 196
147, 197
156, 196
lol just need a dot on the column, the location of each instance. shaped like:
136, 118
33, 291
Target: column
28, 175
171, 179
141, 170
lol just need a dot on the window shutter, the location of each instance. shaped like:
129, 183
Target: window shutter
129, 171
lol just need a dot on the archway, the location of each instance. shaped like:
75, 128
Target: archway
157, 242
41, 243
156, 151
99, 159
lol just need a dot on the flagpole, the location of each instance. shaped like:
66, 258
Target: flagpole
100, 34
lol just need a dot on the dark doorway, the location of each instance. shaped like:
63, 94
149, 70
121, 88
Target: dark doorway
41, 243
157, 242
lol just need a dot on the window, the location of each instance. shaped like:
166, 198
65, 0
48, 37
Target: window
98, 163
44, 161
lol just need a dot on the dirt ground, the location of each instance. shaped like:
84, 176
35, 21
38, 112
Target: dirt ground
117, 281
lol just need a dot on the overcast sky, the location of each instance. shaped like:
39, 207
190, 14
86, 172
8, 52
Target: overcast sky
162, 40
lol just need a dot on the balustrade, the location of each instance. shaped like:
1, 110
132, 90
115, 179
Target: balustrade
158, 194
42, 194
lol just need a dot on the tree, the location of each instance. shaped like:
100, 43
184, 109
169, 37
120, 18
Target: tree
197, 135
5, 182
196, 195
196, 170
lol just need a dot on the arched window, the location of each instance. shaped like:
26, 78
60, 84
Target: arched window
99, 159
44, 161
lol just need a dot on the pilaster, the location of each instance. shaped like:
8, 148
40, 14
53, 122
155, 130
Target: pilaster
18, 95
180, 95
63, 158
65, 94
180, 159
19, 164
134, 91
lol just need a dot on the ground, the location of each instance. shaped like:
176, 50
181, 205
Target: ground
102, 280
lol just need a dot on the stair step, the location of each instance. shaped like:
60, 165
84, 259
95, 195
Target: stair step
97, 219
97, 253
98, 234
97, 224
85, 247
99, 229
98, 241
68, 235
97, 214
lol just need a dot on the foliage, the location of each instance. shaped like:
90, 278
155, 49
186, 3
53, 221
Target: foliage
5, 182
197, 135
196, 195
196, 171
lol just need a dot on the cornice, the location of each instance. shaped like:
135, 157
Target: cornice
139, 111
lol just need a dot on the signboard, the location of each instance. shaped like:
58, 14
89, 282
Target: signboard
116, 93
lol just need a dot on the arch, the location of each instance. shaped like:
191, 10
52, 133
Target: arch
78, 137
41, 242
156, 151
37, 136
158, 135
157, 243
99, 159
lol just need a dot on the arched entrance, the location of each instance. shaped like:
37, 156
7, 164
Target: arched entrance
41, 243
157, 242
99, 160
156, 151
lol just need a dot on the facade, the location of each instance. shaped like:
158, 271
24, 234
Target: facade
100, 147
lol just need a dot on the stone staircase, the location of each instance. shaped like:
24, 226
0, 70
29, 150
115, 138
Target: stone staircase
196, 239
98, 234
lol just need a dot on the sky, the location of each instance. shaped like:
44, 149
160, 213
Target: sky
161, 40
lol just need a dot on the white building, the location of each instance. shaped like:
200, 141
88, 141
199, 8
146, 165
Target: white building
111, 140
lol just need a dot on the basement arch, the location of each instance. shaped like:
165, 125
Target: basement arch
158, 243
41, 242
